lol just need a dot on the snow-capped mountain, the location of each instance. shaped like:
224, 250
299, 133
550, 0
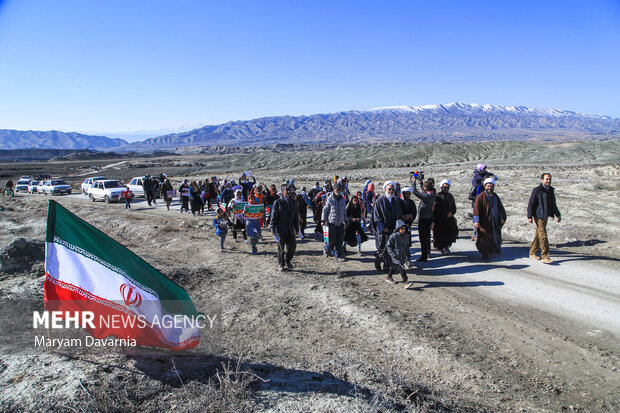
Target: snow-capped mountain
475, 108
451, 122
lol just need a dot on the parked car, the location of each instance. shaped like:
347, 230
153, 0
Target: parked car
136, 186
89, 181
108, 190
24, 178
33, 187
56, 187
22, 185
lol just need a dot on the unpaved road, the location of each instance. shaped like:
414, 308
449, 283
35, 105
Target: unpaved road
510, 334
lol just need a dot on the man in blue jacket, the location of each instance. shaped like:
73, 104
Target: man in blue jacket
542, 206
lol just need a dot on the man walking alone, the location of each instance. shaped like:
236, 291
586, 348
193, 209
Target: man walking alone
542, 206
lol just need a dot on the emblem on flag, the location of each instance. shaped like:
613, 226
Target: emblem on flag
131, 296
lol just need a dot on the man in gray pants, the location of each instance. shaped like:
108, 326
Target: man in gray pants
335, 216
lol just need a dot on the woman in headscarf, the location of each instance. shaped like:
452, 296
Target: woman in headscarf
302, 210
194, 198
260, 199
319, 202
369, 197
184, 194
354, 234
167, 192
270, 198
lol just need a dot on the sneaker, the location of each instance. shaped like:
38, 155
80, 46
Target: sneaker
405, 280
254, 252
245, 241
221, 249
547, 260
234, 241
534, 257
359, 253
280, 268
408, 284
290, 265
390, 280
325, 254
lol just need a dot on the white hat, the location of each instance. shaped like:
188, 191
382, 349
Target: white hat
445, 182
489, 181
408, 189
388, 183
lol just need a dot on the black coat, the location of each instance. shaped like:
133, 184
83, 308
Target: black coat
542, 203
284, 216
148, 185
408, 208
385, 214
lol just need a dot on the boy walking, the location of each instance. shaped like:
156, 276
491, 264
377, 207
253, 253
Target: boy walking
397, 248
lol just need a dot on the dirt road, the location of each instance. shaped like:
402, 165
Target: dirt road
509, 334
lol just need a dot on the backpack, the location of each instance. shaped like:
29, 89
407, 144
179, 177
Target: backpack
473, 192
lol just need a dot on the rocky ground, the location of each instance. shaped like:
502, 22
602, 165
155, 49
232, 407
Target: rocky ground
507, 335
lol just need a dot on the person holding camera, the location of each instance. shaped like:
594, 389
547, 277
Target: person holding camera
540, 207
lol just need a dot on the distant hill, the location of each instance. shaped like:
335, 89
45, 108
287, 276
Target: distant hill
15, 139
457, 122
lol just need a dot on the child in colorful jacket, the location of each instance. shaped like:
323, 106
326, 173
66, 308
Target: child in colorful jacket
221, 223
253, 226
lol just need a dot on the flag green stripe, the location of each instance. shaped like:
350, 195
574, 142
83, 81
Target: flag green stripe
72, 230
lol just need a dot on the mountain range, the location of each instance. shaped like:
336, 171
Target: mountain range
457, 122
15, 139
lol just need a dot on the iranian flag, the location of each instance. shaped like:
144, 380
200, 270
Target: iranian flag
85, 270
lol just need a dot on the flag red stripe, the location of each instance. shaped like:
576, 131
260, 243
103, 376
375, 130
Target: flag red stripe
60, 296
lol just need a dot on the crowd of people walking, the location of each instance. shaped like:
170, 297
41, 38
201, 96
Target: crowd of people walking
342, 218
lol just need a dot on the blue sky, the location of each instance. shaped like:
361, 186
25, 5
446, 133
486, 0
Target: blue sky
116, 66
